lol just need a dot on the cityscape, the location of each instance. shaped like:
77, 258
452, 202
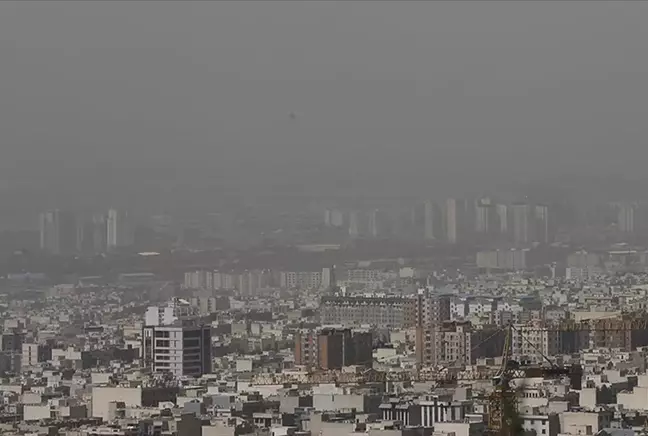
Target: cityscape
323, 219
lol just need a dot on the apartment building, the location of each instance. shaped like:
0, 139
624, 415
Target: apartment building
182, 348
393, 312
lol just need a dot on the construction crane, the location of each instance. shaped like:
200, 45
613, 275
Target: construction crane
445, 375
503, 416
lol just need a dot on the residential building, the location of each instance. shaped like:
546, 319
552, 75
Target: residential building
182, 348
521, 222
394, 312
337, 348
120, 229
58, 232
169, 313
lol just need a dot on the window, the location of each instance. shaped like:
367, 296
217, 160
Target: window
190, 343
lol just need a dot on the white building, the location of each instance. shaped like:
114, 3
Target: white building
120, 229
541, 425
169, 313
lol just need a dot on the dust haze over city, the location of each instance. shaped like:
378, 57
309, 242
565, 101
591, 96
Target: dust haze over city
308, 217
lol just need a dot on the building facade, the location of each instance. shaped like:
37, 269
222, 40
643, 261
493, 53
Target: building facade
182, 349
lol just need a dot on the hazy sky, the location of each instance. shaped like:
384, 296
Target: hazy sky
399, 96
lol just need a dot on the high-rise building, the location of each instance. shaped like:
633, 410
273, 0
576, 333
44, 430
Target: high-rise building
329, 278
502, 217
451, 220
327, 217
91, 235
333, 218
457, 343
182, 348
100, 233
201, 279
428, 221
306, 349
85, 235
431, 312
337, 218
542, 227
250, 282
333, 348
376, 224
521, 220
58, 232
625, 218
486, 218
431, 309
337, 348
120, 229
354, 224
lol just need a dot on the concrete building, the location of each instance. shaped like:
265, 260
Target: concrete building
306, 352
625, 218
376, 224
541, 425
206, 306
502, 211
428, 221
354, 224
182, 349
396, 312
106, 398
582, 274
199, 280
521, 222
451, 220
542, 224
120, 229
427, 411
92, 234
337, 348
431, 309
301, 279
583, 259
12, 341
456, 343
247, 282
505, 260
486, 218
33, 354
169, 313
58, 232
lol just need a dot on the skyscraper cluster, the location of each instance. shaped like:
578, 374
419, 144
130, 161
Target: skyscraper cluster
452, 221
63, 232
